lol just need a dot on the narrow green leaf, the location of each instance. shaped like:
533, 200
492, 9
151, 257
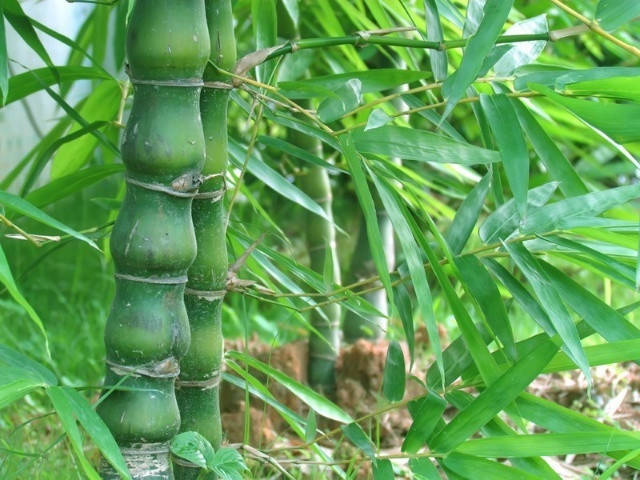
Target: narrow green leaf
6, 278
611, 14
356, 435
424, 469
12, 358
398, 216
478, 47
428, 412
493, 399
383, 470
23, 207
474, 467
378, 118
614, 119
504, 220
345, 99
94, 426
513, 150
522, 53
67, 418
297, 152
27, 83
467, 216
265, 32
21, 23
15, 383
560, 169
319, 403
312, 425
551, 444
420, 145
273, 179
405, 310
394, 378
438, 59
4, 60
486, 293
371, 81
551, 303
546, 218
365, 199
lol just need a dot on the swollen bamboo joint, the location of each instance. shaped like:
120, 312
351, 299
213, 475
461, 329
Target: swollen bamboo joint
153, 241
198, 385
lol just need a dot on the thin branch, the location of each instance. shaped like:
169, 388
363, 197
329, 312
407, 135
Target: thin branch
595, 28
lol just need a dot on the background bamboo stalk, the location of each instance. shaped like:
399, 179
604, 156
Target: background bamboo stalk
153, 242
199, 383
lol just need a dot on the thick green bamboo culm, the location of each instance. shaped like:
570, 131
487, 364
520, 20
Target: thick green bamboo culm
153, 241
198, 384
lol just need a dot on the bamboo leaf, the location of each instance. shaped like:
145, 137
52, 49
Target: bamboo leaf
553, 159
428, 412
346, 98
423, 469
420, 145
614, 119
394, 377
92, 423
356, 435
265, 33
513, 150
4, 60
485, 291
11, 358
371, 81
546, 218
320, 404
378, 118
399, 219
478, 47
504, 220
297, 152
522, 53
467, 216
551, 303
273, 179
382, 469
15, 383
551, 444
6, 278
611, 14
474, 467
368, 208
27, 83
403, 304
438, 59
23, 207
22, 24
492, 400
192, 447
609, 323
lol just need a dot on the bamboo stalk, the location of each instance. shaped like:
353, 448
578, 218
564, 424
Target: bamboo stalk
198, 387
153, 241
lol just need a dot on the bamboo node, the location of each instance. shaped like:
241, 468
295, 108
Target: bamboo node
214, 196
159, 187
167, 368
218, 85
155, 280
181, 82
209, 295
206, 384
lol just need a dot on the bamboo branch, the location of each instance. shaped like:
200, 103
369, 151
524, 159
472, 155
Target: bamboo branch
595, 28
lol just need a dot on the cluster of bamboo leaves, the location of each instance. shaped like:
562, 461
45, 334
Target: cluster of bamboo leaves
517, 182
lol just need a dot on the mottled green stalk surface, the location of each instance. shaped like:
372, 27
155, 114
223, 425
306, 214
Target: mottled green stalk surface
153, 241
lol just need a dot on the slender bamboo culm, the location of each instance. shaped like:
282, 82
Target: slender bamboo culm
321, 245
153, 240
198, 384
